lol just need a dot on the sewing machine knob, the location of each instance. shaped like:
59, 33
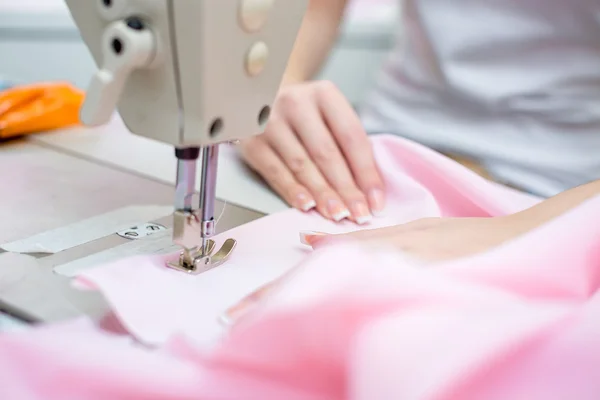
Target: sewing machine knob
254, 14
127, 45
256, 59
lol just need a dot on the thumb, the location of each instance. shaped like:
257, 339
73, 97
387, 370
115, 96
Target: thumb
315, 239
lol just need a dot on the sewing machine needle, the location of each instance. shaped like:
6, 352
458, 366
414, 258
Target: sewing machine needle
208, 185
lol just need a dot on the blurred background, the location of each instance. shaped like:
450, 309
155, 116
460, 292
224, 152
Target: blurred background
39, 42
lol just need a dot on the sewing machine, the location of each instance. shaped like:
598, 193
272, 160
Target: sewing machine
195, 74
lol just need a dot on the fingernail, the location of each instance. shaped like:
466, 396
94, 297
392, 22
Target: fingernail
337, 210
305, 203
310, 237
377, 201
361, 213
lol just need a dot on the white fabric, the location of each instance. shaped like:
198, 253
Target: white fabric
513, 83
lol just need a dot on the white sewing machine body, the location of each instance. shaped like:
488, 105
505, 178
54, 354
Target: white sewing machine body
186, 72
172, 68
192, 74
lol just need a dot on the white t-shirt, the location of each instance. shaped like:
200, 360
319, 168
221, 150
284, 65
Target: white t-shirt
512, 83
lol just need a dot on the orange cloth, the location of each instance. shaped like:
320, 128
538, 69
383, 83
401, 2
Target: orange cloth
38, 107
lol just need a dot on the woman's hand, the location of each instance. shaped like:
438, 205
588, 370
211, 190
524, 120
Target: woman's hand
435, 239
315, 153
428, 239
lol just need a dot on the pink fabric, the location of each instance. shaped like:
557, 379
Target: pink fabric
420, 182
517, 322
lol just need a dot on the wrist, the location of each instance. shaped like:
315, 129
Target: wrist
522, 222
291, 79
553, 207
508, 227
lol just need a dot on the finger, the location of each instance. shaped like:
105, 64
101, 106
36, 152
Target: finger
354, 144
308, 125
315, 239
263, 159
290, 150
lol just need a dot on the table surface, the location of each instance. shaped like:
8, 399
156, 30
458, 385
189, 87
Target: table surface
43, 189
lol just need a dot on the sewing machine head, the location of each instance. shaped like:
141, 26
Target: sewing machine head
190, 73
193, 74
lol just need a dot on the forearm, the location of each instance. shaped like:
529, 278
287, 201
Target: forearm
316, 38
558, 205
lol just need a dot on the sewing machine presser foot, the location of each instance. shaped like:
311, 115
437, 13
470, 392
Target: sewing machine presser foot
196, 261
